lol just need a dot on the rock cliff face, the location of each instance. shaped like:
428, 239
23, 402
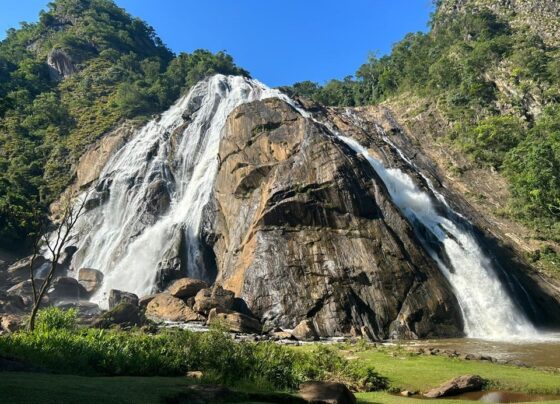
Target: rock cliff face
302, 232
281, 208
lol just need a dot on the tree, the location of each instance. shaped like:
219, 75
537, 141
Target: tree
55, 242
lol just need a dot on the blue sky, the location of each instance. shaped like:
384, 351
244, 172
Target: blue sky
278, 41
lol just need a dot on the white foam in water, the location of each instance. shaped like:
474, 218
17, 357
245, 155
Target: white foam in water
488, 310
113, 238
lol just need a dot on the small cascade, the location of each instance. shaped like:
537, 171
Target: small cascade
171, 161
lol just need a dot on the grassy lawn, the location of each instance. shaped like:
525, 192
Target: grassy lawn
404, 371
420, 372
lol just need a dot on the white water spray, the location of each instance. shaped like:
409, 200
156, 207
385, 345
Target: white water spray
115, 237
488, 310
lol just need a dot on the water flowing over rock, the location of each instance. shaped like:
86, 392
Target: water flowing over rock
303, 219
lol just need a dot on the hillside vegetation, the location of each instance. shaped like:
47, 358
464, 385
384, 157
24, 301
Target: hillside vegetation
114, 67
496, 79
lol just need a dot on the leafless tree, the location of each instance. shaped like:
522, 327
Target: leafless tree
55, 241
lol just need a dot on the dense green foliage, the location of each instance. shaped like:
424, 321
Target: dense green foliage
57, 344
123, 71
498, 85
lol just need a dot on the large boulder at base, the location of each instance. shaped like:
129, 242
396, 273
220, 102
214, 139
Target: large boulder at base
217, 297
124, 315
19, 270
186, 287
166, 307
90, 279
117, 297
305, 331
83, 307
24, 290
66, 288
234, 322
326, 393
11, 323
459, 385
145, 300
11, 304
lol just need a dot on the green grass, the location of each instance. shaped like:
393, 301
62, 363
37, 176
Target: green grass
406, 371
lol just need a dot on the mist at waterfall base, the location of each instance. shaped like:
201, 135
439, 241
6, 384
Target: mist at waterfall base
115, 238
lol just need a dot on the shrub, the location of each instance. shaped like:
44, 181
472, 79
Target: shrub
57, 346
53, 318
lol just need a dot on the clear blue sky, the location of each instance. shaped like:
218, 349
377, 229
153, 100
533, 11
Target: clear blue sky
278, 41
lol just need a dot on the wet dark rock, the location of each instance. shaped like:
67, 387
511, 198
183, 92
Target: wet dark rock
458, 385
65, 288
117, 297
157, 197
326, 392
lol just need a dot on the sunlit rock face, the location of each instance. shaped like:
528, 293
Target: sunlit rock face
316, 219
305, 228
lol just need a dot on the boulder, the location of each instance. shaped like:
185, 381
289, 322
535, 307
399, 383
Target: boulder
217, 297
166, 307
305, 331
19, 270
24, 290
11, 323
144, 300
90, 279
234, 322
326, 393
83, 307
11, 304
66, 288
118, 296
124, 314
458, 385
186, 287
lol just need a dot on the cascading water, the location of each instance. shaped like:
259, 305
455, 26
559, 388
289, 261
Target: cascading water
176, 153
180, 151
488, 310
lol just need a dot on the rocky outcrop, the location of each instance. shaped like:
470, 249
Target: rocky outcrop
304, 229
305, 331
60, 65
458, 385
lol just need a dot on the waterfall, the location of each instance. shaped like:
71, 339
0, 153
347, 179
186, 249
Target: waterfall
488, 310
175, 155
